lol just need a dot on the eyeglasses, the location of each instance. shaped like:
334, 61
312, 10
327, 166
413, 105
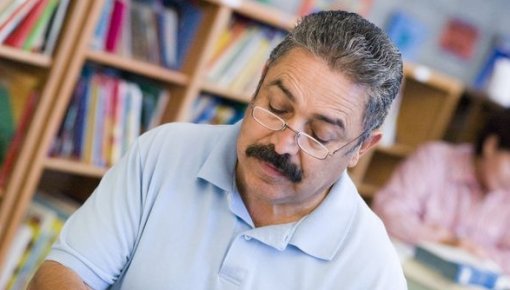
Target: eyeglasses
307, 143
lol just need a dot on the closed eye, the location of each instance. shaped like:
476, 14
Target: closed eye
322, 141
276, 111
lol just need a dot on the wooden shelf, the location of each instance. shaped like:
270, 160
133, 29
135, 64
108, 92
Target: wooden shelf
74, 167
367, 190
260, 12
399, 150
225, 93
138, 67
424, 74
30, 58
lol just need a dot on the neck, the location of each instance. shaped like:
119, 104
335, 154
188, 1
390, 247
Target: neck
265, 211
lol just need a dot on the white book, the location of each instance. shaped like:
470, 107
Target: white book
55, 27
19, 244
8, 7
14, 19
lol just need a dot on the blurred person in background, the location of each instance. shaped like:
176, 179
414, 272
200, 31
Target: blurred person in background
456, 194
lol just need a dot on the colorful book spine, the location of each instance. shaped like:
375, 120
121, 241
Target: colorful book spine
55, 27
20, 34
115, 25
43, 21
14, 19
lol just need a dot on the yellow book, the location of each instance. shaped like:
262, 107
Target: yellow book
90, 120
20, 85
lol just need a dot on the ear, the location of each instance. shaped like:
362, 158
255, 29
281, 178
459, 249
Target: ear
369, 143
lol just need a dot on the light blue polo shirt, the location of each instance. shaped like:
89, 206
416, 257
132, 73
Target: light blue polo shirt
169, 216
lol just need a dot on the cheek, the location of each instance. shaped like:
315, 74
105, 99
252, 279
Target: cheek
327, 171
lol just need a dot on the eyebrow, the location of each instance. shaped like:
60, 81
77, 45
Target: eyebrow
279, 83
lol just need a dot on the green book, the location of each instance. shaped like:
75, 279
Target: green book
7, 125
40, 26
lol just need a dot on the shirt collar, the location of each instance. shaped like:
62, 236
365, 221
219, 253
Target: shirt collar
219, 169
322, 232
319, 234
219, 166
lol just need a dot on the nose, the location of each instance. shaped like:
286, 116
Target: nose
285, 141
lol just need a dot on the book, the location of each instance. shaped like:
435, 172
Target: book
216, 70
8, 7
389, 126
99, 37
41, 220
500, 49
21, 240
157, 116
4, 5
190, 16
115, 25
7, 126
14, 19
458, 265
20, 34
55, 27
498, 87
125, 38
167, 35
18, 138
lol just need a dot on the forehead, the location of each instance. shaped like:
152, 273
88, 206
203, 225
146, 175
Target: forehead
313, 87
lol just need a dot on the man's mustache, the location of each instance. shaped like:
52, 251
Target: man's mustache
281, 162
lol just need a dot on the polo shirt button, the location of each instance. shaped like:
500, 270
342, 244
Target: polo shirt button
246, 237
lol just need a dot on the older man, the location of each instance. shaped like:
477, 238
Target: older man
263, 204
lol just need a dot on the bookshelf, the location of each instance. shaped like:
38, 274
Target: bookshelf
427, 105
49, 70
429, 99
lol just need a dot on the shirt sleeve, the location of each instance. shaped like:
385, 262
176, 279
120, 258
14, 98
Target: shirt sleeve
97, 240
402, 201
500, 253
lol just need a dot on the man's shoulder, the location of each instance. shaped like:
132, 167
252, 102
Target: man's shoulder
186, 134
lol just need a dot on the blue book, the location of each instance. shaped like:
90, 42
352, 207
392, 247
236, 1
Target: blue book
486, 71
190, 16
458, 265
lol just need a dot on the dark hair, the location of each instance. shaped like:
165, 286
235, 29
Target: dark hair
497, 124
352, 45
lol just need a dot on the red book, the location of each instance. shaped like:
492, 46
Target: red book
15, 18
114, 28
20, 34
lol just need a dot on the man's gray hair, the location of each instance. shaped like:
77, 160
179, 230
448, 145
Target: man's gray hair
352, 45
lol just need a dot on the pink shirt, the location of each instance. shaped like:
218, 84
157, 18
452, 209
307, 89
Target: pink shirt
437, 186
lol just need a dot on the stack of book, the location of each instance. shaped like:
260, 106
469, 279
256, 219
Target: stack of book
32, 25
215, 110
303, 7
240, 54
459, 265
45, 218
106, 114
157, 32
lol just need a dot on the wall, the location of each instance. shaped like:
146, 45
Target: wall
490, 16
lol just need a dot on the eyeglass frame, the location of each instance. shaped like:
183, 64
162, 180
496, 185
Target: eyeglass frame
297, 133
